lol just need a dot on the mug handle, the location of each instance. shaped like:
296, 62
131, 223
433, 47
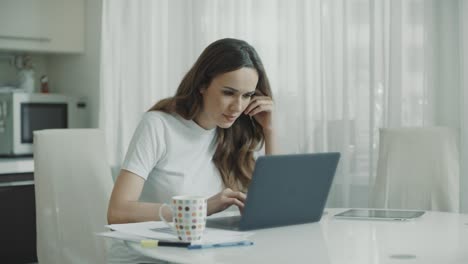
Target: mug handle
161, 216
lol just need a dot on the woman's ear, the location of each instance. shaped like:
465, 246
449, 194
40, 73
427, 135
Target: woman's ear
203, 89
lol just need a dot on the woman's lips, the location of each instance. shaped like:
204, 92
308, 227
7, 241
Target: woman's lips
230, 118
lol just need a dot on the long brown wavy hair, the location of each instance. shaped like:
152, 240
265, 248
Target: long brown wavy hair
235, 145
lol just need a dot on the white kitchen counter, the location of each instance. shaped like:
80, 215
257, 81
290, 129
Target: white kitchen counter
16, 165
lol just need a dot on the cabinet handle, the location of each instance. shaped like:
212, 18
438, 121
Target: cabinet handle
38, 39
16, 183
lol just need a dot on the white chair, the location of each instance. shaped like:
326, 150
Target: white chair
73, 184
418, 168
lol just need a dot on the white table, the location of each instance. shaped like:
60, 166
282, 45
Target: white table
436, 237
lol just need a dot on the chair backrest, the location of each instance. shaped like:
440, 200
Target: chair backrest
418, 168
73, 184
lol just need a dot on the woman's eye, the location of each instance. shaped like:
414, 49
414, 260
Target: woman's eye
248, 95
227, 93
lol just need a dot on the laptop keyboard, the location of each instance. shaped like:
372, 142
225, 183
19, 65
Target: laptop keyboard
229, 221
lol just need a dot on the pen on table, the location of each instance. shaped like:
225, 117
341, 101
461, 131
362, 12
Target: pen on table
144, 242
151, 243
227, 244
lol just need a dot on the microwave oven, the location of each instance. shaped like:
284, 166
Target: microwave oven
23, 113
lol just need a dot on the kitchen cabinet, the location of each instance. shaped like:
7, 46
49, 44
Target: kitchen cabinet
18, 221
42, 25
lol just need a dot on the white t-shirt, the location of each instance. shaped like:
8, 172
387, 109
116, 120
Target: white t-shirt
174, 156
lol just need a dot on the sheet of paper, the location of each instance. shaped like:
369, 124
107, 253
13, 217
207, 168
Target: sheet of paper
160, 231
120, 235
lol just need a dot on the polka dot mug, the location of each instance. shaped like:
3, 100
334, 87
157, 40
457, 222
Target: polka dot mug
188, 215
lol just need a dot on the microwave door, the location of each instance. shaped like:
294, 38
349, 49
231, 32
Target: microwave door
34, 116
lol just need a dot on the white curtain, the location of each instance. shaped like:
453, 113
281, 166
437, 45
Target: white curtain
463, 22
340, 69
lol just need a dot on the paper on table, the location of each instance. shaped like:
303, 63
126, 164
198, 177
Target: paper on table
151, 229
159, 230
147, 244
121, 236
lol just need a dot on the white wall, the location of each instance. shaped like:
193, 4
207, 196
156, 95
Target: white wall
8, 73
78, 75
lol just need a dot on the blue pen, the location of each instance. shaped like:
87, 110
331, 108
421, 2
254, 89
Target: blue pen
218, 245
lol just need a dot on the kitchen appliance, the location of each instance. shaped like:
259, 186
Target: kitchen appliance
23, 113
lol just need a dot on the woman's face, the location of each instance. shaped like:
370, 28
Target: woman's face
226, 98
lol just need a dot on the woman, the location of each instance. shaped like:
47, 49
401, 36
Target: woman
202, 140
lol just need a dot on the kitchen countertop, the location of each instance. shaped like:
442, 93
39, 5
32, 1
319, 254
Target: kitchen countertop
16, 165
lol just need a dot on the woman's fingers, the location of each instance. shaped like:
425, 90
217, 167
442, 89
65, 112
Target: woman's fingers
224, 199
235, 198
239, 195
259, 105
259, 109
256, 101
237, 202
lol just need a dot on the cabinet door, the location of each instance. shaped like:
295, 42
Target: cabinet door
42, 25
23, 19
17, 221
66, 25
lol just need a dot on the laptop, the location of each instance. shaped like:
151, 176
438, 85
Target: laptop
285, 190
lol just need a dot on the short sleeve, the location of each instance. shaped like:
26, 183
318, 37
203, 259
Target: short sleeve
146, 147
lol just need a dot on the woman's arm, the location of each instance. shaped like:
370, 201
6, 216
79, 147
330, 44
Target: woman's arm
124, 206
270, 142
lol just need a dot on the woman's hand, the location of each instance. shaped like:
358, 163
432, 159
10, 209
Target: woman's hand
224, 199
261, 108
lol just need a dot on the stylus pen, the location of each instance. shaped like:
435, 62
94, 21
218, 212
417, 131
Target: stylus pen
149, 243
218, 245
145, 243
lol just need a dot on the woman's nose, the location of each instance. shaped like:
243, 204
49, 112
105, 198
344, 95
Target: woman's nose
236, 105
